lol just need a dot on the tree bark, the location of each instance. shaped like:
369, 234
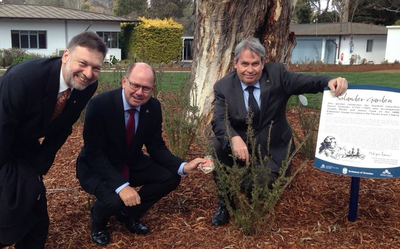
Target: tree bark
220, 25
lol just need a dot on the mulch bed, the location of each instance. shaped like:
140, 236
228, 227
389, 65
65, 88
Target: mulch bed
312, 212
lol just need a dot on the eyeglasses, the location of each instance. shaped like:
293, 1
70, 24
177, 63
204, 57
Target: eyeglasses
136, 87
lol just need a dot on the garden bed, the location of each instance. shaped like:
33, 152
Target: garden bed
312, 212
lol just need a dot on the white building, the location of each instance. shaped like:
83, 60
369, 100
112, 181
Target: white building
48, 29
331, 43
392, 44
343, 43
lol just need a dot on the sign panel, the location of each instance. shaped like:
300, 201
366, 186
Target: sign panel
359, 132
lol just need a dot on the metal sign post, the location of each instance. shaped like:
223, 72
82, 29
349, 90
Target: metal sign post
354, 191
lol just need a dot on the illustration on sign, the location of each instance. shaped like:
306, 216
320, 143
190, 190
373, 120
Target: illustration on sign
330, 148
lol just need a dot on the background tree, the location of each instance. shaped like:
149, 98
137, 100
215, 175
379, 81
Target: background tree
77, 4
379, 12
320, 6
188, 20
353, 7
386, 5
168, 8
329, 16
130, 7
220, 25
303, 12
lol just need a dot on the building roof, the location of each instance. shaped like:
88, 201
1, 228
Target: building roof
44, 12
347, 28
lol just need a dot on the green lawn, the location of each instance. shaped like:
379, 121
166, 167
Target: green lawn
165, 80
370, 78
367, 78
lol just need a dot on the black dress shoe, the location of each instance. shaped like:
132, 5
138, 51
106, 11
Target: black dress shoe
134, 226
99, 234
220, 217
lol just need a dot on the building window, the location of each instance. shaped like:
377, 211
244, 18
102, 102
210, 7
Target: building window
187, 49
369, 45
28, 39
110, 38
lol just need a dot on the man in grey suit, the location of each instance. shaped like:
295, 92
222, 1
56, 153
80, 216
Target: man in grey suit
263, 90
31, 132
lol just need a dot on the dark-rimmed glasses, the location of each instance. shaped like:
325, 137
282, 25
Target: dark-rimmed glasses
136, 87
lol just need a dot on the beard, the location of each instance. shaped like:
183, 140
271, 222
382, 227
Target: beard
73, 78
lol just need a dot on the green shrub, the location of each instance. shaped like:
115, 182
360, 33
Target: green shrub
251, 199
181, 119
26, 57
10, 55
156, 41
308, 128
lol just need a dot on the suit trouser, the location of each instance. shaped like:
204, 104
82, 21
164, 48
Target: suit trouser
155, 181
226, 158
36, 237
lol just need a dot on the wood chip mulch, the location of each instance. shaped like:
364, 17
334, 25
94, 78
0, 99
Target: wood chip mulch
312, 213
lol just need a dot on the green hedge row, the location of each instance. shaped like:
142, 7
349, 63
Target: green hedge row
152, 41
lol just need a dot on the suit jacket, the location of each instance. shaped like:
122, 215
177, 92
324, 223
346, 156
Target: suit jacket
277, 85
105, 150
28, 94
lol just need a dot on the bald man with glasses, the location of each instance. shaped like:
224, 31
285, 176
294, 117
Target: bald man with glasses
112, 165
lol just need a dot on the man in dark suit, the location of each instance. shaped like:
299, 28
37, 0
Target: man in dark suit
112, 163
261, 90
31, 132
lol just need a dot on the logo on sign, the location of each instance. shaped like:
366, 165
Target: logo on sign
386, 173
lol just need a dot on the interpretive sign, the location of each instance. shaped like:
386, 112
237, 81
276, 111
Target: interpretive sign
359, 132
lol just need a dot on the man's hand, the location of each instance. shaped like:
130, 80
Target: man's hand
338, 86
192, 165
129, 196
239, 149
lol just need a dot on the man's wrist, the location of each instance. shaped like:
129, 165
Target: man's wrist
121, 187
181, 170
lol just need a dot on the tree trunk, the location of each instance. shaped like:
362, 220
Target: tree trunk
220, 25
346, 7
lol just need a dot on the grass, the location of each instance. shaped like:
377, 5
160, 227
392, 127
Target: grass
354, 78
370, 78
166, 81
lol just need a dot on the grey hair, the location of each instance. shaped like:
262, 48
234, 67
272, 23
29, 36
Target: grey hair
251, 43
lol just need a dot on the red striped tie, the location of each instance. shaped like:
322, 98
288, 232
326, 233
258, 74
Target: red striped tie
130, 133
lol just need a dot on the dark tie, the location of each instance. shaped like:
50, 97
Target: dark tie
130, 127
130, 133
60, 104
253, 106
